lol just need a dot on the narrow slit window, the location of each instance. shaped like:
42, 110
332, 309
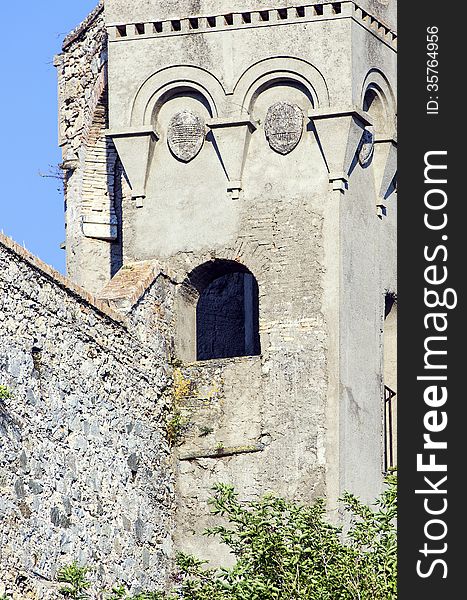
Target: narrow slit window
390, 381
121, 31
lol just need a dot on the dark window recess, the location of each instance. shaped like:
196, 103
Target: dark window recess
390, 379
246, 17
227, 318
139, 27
194, 23
158, 27
176, 26
300, 11
228, 19
282, 13
337, 8
264, 15
211, 21
319, 10
121, 31
389, 302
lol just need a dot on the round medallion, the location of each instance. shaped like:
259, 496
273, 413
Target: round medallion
367, 146
283, 126
185, 135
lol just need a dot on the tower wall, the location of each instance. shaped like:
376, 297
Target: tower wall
90, 162
310, 215
304, 419
119, 10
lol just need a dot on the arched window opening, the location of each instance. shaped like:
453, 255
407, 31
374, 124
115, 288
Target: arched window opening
390, 381
227, 312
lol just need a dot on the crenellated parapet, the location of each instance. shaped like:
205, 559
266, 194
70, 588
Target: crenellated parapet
269, 17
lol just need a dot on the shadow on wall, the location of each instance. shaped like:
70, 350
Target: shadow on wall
390, 381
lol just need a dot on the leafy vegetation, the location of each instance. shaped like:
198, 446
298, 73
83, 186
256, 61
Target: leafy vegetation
120, 594
76, 578
175, 427
283, 551
177, 423
5, 394
286, 551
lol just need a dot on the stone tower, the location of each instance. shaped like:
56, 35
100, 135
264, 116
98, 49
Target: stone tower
246, 150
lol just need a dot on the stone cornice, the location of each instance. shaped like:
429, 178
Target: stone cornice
346, 9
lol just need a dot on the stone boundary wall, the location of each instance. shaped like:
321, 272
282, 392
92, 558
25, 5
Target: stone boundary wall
62, 281
85, 468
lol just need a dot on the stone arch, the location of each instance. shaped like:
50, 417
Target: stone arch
218, 312
253, 256
175, 80
379, 102
280, 69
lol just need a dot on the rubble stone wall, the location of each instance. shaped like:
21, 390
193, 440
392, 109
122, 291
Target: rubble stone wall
85, 471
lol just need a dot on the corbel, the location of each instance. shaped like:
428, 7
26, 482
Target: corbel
384, 168
339, 134
232, 138
135, 147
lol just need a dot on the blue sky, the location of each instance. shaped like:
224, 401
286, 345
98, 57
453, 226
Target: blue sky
31, 208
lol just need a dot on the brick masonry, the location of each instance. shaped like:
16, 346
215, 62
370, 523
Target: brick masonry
90, 162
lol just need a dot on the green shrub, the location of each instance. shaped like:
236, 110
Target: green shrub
119, 593
287, 551
284, 551
76, 578
5, 394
